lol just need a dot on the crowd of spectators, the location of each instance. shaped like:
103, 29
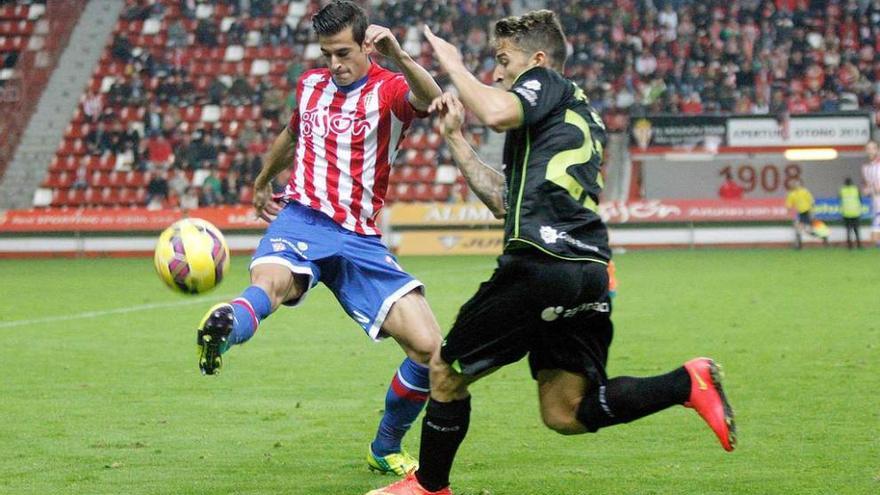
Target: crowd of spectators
633, 57
714, 56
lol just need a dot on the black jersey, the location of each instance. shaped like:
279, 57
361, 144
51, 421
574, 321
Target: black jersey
552, 165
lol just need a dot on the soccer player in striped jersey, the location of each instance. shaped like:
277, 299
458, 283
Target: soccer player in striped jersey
340, 144
871, 176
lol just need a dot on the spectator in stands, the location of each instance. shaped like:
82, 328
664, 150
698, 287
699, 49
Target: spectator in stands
206, 33
249, 133
261, 8
185, 153
159, 153
189, 200
157, 189
230, 188
209, 196
202, 149
121, 48
92, 106
177, 35
273, 103
119, 93
99, 140
127, 159
170, 120
81, 181
730, 190
179, 183
212, 181
241, 92
217, 91
153, 120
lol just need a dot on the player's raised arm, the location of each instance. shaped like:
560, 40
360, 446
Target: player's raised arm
486, 182
279, 157
423, 88
495, 107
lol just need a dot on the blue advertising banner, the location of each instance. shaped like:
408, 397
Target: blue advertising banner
827, 209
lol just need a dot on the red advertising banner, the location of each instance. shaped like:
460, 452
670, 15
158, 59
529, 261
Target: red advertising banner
694, 210
124, 220
403, 215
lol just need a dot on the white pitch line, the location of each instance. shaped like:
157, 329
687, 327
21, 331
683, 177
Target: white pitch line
98, 314
145, 307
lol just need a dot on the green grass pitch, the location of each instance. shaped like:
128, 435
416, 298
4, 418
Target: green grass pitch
100, 392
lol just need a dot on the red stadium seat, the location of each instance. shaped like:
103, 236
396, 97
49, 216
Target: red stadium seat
441, 192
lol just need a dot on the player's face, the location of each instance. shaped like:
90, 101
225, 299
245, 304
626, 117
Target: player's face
872, 150
510, 62
347, 60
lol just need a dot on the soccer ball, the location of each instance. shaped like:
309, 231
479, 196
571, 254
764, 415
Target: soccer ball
191, 256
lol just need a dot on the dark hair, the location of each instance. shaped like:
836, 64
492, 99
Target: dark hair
338, 15
536, 31
848, 181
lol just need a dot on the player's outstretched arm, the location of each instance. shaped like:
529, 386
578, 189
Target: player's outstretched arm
423, 88
486, 182
495, 107
279, 157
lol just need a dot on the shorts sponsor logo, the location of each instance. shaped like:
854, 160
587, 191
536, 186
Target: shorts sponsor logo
553, 313
550, 235
283, 244
391, 261
360, 317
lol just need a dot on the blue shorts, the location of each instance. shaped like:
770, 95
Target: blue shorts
358, 269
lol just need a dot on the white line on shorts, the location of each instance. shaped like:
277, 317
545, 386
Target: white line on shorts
117, 311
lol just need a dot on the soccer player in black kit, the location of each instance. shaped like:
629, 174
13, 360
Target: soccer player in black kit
548, 297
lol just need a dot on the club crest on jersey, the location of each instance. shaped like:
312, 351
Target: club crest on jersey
319, 122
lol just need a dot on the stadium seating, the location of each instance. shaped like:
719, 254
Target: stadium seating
221, 77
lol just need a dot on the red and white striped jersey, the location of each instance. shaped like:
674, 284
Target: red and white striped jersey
346, 142
871, 176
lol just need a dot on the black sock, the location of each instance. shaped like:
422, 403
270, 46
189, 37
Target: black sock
443, 429
625, 398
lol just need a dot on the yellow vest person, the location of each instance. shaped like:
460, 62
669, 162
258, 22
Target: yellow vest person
850, 201
851, 211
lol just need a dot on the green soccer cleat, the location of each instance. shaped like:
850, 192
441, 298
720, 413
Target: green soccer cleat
399, 463
211, 337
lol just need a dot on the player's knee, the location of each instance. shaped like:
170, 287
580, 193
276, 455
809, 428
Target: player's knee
425, 347
278, 283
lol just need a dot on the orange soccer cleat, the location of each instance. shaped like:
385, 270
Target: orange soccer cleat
708, 399
408, 486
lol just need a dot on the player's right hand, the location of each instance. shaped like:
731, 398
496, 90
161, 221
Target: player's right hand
264, 204
451, 111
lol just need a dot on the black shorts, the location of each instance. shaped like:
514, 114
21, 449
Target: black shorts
556, 311
805, 218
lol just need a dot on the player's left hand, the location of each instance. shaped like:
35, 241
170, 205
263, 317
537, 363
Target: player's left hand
451, 112
446, 53
382, 40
